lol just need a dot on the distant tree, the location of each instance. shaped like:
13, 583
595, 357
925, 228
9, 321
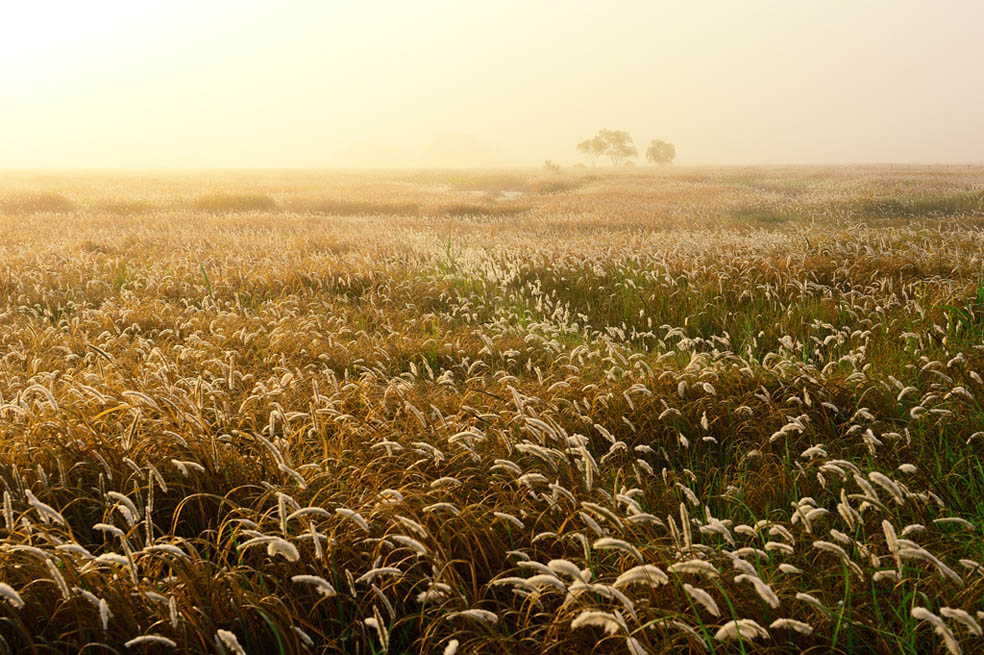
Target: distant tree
551, 166
660, 152
594, 147
615, 144
618, 145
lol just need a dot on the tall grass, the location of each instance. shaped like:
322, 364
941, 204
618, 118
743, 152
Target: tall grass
627, 419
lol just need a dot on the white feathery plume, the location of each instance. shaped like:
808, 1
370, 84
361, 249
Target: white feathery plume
150, 640
604, 620
703, 598
482, 616
277, 546
10, 596
372, 574
792, 624
695, 566
321, 585
963, 617
608, 543
746, 628
764, 591
230, 641
923, 614
355, 516
643, 574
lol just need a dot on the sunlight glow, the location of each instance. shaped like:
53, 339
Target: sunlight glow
429, 83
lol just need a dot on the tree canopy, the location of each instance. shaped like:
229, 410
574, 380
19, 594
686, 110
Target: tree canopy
660, 152
617, 145
594, 147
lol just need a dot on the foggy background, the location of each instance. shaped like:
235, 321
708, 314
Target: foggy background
183, 84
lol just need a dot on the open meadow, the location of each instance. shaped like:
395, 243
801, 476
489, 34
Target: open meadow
675, 410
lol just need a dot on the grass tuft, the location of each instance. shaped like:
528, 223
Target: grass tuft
36, 203
218, 203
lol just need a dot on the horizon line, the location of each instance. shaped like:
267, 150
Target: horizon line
516, 167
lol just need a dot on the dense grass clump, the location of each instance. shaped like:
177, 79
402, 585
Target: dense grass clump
954, 204
35, 203
234, 202
554, 184
646, 417
761, 215
337, 207
125, 207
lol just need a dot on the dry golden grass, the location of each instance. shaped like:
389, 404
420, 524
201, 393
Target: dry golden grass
690, 410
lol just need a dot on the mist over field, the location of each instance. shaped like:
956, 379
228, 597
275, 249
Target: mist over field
491, 328
424, 84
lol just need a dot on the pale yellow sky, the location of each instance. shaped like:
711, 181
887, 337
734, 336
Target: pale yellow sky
305, 83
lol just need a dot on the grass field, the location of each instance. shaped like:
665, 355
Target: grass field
688, 410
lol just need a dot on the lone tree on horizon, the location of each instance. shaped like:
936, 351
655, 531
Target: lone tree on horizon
594, 147
660, 152
617, 145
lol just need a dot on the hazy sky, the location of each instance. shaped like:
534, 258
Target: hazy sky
294, 83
